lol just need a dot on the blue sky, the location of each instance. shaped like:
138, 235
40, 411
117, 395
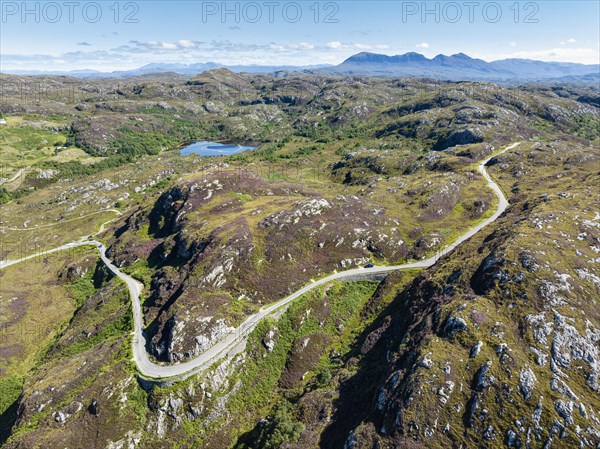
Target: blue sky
116, 35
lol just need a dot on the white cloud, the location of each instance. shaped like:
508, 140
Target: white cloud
238, 52
561, 54
568, 41
304, 46
186, 43
355, 46
137, 53
181, 44
512, 43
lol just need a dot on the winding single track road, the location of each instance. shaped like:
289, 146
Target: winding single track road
148, 369
14, 178
35, 228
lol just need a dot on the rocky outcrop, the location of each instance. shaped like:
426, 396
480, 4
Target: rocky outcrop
464, 137
453, 326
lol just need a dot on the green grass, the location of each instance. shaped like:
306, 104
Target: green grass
5, 195
81, 289
143, 234
138, 403
10, 390
115, 329
140, 271
109, 319
243, 197
24, 143
275, 177
48, 308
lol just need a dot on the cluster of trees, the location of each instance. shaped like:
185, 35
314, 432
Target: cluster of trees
132, 143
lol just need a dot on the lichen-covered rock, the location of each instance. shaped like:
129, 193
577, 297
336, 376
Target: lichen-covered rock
475, 349
270, 339
483, 377
130, 441
565, 410
453, 326
512, 439
527, 381
569, 345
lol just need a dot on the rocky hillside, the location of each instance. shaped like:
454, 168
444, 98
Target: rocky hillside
146, 114
214, 248
495, 346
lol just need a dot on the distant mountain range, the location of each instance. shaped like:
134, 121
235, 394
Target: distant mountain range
181, 69
460, 67
454, 67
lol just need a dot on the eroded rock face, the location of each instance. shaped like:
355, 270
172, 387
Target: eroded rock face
207, 330
567, 345
490, 273
453, 326
375, 335
464, 137
306, 208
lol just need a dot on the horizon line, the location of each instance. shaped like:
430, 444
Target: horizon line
290, 65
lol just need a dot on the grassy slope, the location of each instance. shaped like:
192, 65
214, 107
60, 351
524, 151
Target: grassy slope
111, 360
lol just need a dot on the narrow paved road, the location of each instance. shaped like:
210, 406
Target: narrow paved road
34, 228
16, 175
149, 369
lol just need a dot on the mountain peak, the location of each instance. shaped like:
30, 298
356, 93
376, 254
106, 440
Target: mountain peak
375, 58
460, 56
459, 66
410, 57
367, 57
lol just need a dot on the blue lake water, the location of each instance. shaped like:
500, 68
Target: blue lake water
206, 148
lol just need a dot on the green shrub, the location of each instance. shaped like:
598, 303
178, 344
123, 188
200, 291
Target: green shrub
280, 428
588, 126
5, 195
116, 328
10, 390
81, 289
133, 143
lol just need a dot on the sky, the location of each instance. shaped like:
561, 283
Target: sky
122, 35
